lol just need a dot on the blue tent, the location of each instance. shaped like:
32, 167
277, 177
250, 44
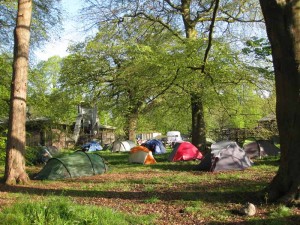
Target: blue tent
92, 146
155, 146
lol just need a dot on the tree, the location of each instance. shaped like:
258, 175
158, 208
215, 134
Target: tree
15, 149
45, 96
125, 68
46, 21
16, 138
187, 20
283, 29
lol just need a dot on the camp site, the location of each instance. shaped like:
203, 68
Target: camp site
157, 112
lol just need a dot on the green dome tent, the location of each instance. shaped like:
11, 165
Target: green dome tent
77, 164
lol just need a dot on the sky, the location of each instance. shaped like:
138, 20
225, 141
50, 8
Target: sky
69, 35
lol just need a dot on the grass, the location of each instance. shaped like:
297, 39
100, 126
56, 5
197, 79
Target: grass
164, 193
60, 210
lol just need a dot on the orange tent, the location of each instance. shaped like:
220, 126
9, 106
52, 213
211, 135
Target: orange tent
141, 154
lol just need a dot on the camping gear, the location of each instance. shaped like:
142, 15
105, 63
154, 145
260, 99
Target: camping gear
141, 154
92, 146
261, 148
155, 146
225, 155
77, 164
184, 151
122, 146
45, 153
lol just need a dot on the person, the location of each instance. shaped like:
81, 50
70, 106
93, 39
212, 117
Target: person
139, 141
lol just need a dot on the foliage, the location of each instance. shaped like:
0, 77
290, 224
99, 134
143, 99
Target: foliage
46, 21
32, 154
2, 149
281, 211
260, 47
126, 78
5, 77
60, 210
124, 75
170, 14
45, 98
186, 21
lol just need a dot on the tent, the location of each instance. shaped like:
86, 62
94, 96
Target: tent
122, 146
225, 155
260, 148
141, 154
155, 146
46, 152
77, 164
184, 151
92, 146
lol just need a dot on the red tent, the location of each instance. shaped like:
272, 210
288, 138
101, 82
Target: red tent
184, 151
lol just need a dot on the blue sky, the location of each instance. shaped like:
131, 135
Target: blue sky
69, 35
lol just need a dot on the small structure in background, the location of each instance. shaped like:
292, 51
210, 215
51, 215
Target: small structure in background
266, 129
42, 131
87, 127
268, 122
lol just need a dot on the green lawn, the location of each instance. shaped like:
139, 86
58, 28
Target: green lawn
163, 193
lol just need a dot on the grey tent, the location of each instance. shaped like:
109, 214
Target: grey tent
77, 164
225, 155
261, 148
46, 152
122, 146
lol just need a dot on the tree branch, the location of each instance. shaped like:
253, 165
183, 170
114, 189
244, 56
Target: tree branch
211, 28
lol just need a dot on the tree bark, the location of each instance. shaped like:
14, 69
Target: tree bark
283, 28
198, 123
16, 139
132, 125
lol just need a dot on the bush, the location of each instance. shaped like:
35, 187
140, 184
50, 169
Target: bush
2, 149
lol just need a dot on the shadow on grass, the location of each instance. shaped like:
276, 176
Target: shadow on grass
176, 166
187, 194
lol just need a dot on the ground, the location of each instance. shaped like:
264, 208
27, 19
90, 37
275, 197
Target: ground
173, 192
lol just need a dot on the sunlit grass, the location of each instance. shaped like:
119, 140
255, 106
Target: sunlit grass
60, 210
153, 199
281, 211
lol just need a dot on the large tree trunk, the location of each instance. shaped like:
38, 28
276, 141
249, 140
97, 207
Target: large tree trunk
16, 140
198, 123
283, 29
132, 125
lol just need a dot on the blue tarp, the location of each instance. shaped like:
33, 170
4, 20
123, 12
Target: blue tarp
92, 146
155, 146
